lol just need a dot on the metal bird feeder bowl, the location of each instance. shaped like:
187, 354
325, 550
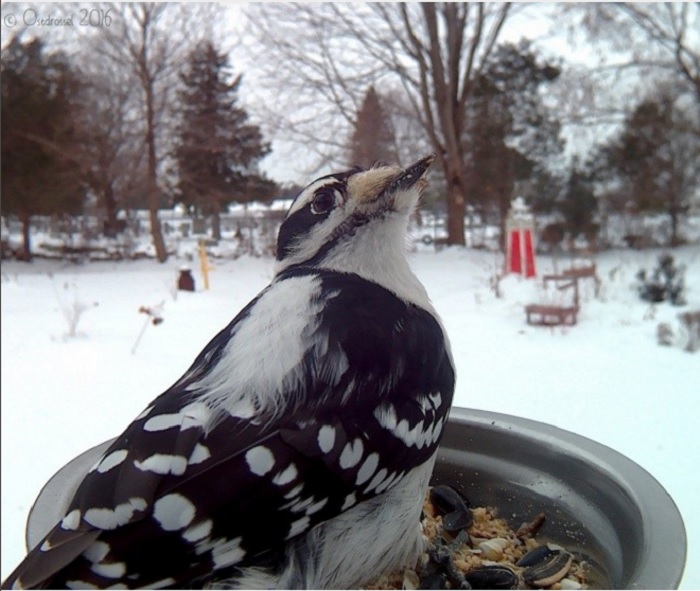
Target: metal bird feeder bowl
598, 503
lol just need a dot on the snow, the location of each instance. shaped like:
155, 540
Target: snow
605, 378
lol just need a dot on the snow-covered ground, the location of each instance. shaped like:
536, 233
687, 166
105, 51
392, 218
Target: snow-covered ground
606, 378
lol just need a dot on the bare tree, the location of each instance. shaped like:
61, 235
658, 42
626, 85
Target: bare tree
325, 56
409, 138
149, 41
111, 150
657, 40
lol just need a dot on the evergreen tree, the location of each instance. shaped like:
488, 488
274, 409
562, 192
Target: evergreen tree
372, 140
654, 160
217, 148
39, 175
510, 134
578, 204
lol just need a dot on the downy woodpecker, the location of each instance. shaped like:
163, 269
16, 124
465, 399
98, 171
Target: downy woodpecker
296, 451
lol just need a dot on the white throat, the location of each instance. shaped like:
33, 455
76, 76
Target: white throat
380, 256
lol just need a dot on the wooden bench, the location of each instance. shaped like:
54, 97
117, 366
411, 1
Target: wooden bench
551, 315
544, 315
583, 273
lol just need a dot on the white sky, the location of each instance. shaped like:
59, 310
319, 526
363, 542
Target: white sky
287, 163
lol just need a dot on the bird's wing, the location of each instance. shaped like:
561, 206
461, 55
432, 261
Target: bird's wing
178, 496
281, 482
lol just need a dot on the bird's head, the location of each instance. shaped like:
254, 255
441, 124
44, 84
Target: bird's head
343, 221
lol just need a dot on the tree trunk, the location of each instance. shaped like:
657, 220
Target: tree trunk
111, 227
153, 201
673, 212
26, 236
216, 223
502, 216
455, 207
674, 202
504, 199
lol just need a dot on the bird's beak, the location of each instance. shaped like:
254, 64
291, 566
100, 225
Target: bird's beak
382, 186
411, 175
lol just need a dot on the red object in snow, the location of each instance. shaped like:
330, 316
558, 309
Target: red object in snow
520, 256
185, 281
515, 256
529, 254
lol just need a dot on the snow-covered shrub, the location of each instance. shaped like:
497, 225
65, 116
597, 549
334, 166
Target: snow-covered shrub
683, 335
664, 334
666, 282
690, 326
73, 308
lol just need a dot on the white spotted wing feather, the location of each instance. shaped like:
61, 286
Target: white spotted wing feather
263, 439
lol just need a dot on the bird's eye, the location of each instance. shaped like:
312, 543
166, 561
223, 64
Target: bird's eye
323, 202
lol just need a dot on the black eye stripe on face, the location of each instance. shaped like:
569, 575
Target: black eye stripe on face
302, 220
303, 217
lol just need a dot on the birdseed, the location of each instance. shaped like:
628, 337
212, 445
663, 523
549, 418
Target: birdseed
489, 541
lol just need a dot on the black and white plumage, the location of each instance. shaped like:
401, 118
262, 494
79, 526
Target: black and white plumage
296, 450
